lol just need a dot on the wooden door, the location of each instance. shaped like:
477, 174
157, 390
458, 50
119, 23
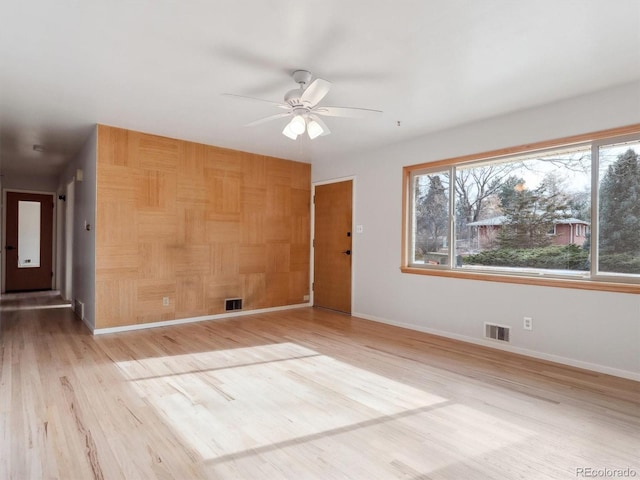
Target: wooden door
332, 246
22, 272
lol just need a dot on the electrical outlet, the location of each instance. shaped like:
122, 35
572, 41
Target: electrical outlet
165, 301
527, 323
305, 298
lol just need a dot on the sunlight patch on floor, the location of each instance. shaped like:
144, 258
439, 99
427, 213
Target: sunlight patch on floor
272, 399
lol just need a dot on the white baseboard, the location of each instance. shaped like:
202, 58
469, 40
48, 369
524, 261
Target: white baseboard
89, 324
84, 319
509, 348
181, 321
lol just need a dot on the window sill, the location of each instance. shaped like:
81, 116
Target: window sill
526, 280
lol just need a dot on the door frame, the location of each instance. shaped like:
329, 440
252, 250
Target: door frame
54, 243
352, 178
66, 241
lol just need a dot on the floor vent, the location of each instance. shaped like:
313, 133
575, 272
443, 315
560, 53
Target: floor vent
232, 304
496, 332
78, 307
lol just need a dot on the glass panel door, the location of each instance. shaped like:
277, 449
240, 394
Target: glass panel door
28, 234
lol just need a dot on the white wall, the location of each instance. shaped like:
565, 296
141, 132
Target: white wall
1, 230
39, 183
596, 330
84, 245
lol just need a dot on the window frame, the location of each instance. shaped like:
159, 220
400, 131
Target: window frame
590, 280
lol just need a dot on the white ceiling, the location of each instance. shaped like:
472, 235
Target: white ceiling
161, 67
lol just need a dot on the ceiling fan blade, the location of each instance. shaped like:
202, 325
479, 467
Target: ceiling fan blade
315, 92
325, 129
352, 112
267, 119
244, 97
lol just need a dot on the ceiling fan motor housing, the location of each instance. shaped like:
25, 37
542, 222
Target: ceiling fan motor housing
292, 97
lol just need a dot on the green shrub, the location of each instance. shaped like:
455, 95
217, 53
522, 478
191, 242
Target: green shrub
555, 257
620, 263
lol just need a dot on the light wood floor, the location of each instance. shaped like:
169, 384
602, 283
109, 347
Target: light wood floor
301, 394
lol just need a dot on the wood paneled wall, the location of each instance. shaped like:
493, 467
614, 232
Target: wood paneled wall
197, 224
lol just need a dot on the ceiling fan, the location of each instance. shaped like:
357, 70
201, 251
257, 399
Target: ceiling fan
302, 105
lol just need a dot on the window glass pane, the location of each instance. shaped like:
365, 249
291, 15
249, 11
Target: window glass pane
431, 219
525, 213
619, 209
28, 234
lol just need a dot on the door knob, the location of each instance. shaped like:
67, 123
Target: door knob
9, 247
347, 252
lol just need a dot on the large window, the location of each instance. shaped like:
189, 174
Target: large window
618, 225
567, 211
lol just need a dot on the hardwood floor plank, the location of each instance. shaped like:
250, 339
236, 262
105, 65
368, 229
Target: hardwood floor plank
298, 394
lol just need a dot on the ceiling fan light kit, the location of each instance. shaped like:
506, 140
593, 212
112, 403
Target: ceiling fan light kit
314, 129
287, 132
302, 104
297, 124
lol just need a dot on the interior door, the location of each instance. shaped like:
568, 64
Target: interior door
29, 243
332, 246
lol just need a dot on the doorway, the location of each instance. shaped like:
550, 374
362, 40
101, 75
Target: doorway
332, 245
29, 242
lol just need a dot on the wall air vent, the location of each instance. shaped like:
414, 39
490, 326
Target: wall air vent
78, 308
496, 332
232, 304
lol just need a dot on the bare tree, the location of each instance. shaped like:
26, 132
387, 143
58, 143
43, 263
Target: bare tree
474, 187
